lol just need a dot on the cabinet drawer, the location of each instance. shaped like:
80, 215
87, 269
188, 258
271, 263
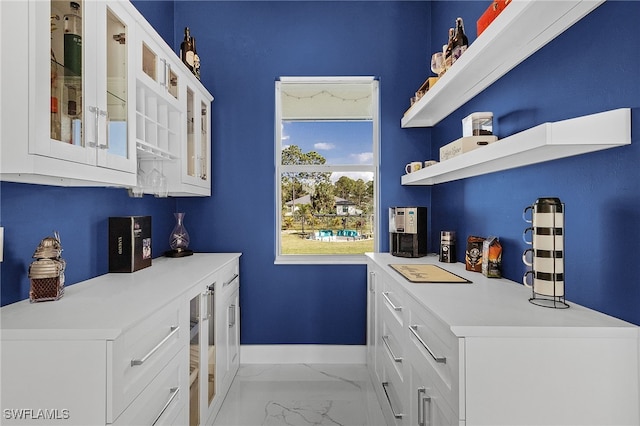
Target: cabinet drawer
392, 342
140, 353
163, 401
394, 394
432, 345
229, 278
392, 300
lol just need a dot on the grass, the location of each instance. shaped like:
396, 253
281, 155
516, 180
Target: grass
293, 243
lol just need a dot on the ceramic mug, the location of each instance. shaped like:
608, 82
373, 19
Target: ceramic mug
544, 283
544, 260
544, 238
414, 166
430, 163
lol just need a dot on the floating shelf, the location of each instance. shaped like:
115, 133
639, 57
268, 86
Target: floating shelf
545, 142
518, 32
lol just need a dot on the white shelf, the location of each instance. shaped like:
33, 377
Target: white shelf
545, 142
519, 31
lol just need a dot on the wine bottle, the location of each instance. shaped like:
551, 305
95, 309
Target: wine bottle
448, 51
460, 41
73, 40
196, 59
186, 50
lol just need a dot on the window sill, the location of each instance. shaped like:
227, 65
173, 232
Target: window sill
310, 259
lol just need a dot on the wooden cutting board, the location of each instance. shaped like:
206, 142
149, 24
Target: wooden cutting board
428, 274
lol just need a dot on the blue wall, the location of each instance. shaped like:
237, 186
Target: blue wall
31, 212
601, 191
245, 46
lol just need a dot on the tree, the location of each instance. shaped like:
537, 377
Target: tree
322, 199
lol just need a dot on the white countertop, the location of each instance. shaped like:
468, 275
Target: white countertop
123, 299
499, 307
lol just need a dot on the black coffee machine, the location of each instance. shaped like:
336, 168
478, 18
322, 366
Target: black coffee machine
408, 231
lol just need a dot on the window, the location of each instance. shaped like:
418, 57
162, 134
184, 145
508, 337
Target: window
326, 145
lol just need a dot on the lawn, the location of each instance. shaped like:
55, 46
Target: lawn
293, 243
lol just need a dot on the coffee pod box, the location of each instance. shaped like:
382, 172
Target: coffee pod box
465, 144
473, 254
129, 243
492, 258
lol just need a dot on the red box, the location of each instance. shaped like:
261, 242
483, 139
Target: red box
496, 7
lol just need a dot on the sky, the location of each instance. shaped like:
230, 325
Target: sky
340, 142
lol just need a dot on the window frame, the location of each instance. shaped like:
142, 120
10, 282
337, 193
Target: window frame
279, 169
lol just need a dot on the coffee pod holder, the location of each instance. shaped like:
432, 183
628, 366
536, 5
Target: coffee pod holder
546, 266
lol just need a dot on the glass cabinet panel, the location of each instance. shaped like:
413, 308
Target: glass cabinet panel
204, 137
117, 93
211, 349
66, 71
191, 142
194, 362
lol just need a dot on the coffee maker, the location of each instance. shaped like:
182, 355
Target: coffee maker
408, 231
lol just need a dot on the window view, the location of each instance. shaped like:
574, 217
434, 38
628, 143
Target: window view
326, 149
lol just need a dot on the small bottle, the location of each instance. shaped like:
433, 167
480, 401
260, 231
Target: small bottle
55, 119
196, 60
186, 50
449, 50
447, 246
460, 41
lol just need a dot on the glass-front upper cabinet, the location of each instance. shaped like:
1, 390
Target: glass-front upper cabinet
88, 88
78, 121
196, 161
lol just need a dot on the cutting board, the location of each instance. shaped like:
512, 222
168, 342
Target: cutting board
428, 274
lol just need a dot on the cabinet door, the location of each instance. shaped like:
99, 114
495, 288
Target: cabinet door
196, 168
428, 408
82, 84
116, 89
372, 323
233, 333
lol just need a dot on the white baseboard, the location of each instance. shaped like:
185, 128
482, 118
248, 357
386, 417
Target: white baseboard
303, 354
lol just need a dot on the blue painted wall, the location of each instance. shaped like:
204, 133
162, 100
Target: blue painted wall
245, 46
601, 191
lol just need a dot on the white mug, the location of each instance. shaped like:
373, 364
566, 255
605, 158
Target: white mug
544, 239
414, 166
545, 220
543, 264
544, 287
430, 163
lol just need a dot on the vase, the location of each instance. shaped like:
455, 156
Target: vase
179, 239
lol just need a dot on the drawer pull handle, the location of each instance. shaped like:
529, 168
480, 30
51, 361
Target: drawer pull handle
174, 393
385, 339
396, 415
422, 399
174, 330
386, 296
230, 281
414, 330
232, 315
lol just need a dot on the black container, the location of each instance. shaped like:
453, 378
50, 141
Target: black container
447, 246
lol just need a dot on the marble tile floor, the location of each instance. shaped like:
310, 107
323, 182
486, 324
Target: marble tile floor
301, 395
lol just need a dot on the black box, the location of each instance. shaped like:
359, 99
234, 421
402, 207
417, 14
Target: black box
129, 243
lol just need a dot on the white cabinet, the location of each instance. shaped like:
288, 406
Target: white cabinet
228, 326
76, 360
480, 354
67, 113
173, 120
214, 342
100, 100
